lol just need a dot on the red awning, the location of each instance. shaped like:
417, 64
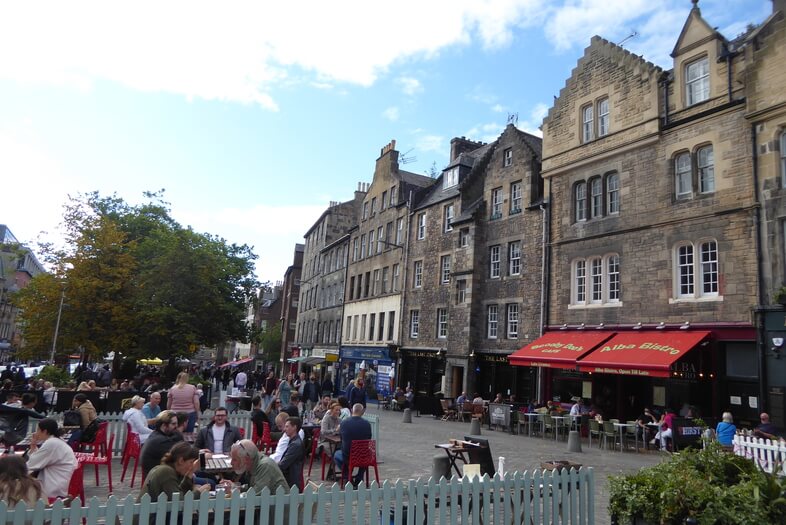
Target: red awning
558, 349
238, 362
641, 353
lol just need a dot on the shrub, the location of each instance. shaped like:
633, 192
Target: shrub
711, 486
56, 375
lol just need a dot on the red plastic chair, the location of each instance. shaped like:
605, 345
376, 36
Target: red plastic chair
76, 487
266, 444
98, 458
314, 444
242, 432
98, 443
362, 454
133, 449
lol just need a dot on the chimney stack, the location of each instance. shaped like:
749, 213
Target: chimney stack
461, 145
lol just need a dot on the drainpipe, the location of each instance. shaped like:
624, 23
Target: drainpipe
405, 264
664, 81
762, 347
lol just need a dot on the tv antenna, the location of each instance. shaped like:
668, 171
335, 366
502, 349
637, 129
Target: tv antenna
513, 118
634, 34
406, 160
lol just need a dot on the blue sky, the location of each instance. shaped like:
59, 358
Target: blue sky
254, 116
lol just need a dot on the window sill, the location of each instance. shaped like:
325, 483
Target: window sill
495, 217
704, 299
515, 212
584, 306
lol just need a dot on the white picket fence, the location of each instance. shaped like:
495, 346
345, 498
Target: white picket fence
769, 455
539, 497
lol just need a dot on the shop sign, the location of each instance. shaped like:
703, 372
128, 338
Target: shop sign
421, 354
359, 352
622, 371
494, 358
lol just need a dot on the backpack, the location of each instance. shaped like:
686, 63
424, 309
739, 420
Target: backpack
90, 432
72, 418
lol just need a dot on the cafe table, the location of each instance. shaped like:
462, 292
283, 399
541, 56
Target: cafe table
559, 422
532, 417
621, 428
218, 464
455, 451
333, 443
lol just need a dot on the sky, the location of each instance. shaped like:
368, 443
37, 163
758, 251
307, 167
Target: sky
254, 116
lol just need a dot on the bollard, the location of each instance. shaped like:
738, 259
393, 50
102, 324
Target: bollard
474, 427
440, 467
407, 416
574, 441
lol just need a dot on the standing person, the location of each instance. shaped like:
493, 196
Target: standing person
578, 407
16, 484
327, 386
52, 459
136, 418
271, 388
357, 394
291, 462
160, 441
217, 378
241, 380
152, 408
183, 397
310, 393
725, 430
285, 390
226, 376
352, 429
258, 417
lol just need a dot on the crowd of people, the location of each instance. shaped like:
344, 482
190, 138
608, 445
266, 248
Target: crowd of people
172, 452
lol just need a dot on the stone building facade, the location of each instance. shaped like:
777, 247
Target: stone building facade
322, 283
290, 300
474, 271
650, 180
375, 273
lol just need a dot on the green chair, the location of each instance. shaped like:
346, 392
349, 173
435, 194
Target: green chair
548, 425
610, 431
595, 430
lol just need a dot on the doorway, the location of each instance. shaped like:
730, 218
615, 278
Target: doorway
457, 383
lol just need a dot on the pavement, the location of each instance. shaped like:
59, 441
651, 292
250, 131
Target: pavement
406, 451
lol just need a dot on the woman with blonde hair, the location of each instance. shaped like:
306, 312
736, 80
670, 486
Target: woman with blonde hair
725, 430
136, 418
183, 397
16, 484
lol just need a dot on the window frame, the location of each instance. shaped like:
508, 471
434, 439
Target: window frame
492, 321
595, 195
512, 324
612, 193
587, 123
495, 261
447, 215
580, 201
463, 237
603, 118
421, 225
442, 323
515, 197
682, 174
444, 269
594, 278
417, 274
414, 324
705, 168
496, 203
703, 82
514, 259
507, 157
461, 291
450, 178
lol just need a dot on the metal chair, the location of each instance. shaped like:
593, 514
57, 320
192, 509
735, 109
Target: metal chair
632, 431
448, 413
609, 431
595, 430
549, 425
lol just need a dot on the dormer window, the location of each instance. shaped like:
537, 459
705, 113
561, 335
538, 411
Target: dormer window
697, 81
450, 179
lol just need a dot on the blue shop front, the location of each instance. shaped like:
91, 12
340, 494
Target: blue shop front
376, 360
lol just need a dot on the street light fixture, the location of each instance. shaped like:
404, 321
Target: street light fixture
57, 327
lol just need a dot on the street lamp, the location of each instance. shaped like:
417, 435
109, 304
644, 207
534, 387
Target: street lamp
57, 327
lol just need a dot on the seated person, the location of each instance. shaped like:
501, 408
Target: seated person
13, 399
345, 412
291, 462
260, 470
766, 429
163, 438
292, 408
477, 400
460, 400
352, 429
283, 441
323, 407
665, 432
152, 408
87, 413
330, 426
14, 421
642, 430
52, 459
175, 473
498, 398
217, 437
136, 418
725, 430
16, 484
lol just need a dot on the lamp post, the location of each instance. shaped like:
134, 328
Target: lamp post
57, 327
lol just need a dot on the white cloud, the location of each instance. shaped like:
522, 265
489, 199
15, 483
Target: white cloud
391, 113
498, 108
242, 50
536, 116
431, 143
410, 86
485, 132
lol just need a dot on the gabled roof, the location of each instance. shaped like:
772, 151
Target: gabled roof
438, 192
694, 18
413, 178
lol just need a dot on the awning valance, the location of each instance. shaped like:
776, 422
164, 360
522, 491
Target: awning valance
559, 349
238, 362
641, 353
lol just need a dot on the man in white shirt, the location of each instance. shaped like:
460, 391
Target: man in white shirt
576, 409
52, 459
241, 379
283, 441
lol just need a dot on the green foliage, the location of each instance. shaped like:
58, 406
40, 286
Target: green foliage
271, 340
710, 485
138, 283
780, 295
56, 375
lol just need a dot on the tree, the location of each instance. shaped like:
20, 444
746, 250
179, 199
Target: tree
138, 283
271, 343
